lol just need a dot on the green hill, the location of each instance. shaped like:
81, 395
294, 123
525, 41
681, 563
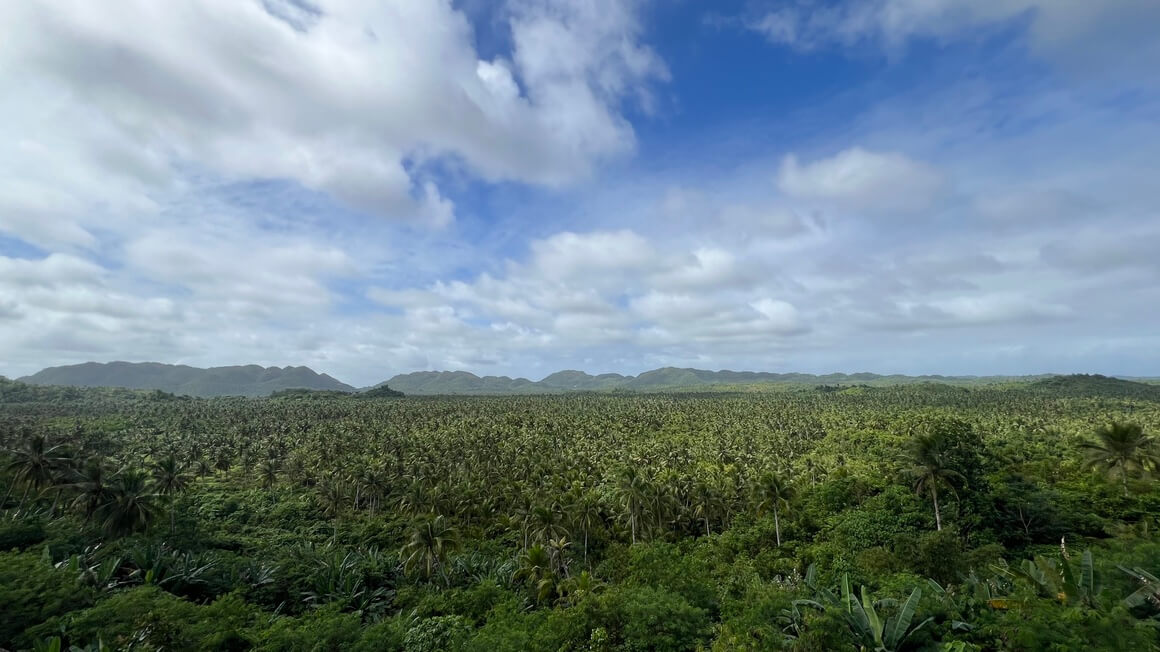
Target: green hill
249, 380
659, 380
1084, 385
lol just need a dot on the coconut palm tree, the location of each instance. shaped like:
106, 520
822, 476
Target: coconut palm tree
91, 483
36, 464
706, 501
633, 490
202, 467
773, 495
268, 472
428, 547
130, 505
585, 514
535, 569
930, 471
546, 524
1122, 449
169, 480
574, 589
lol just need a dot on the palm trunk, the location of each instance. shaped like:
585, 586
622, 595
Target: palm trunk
937, 515
706, 526
23, 497
777, 527
585, 545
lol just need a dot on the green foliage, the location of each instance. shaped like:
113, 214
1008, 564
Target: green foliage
314, 521
647, 618
21, 534
33, 591
437, 634
382, 391
148, 617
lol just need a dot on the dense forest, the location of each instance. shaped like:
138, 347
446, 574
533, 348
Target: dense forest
918, 517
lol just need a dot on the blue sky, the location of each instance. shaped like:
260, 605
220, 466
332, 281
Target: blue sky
371, 188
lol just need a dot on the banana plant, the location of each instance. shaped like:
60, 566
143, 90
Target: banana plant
1149, 591
1059, 581
876, 633
92, 568
869, 628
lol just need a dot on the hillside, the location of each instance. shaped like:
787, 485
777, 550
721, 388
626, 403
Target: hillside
1084, 385
666, 378
249, 380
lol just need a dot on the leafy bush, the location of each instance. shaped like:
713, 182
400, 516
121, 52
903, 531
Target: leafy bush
32, 592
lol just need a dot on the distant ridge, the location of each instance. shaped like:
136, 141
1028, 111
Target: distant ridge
666, 378
1082, 385
248, 380
253, 380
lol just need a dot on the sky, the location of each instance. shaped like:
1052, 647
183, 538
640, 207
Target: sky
514, 187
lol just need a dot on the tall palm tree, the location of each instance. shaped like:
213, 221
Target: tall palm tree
428, 547
931, 470
1122, 449
546, 524
91, 483
705, 502
268, 471
586, 515
169, 480
131, 504
535, 569
633, 490
773, 494
36, 464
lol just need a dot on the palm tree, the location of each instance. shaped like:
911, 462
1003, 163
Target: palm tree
169, 479
428, 547
545, 524
1120, 449
91, 483
705, 501
633, 492
202, 467
574, 589
130, 506
37, 465
268, 472
774, 494
536, 570
585, 515
930, 470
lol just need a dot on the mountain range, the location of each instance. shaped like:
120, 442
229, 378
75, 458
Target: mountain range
253, 380
248, 380
666, 378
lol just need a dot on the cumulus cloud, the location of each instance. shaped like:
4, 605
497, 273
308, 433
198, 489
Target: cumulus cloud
581, 290
971, 310
856, 179
356, 99
221, 182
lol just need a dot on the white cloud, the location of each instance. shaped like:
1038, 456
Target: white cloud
579, 291
566, 254
106, 104
859, 180
783, 316
1069, 31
